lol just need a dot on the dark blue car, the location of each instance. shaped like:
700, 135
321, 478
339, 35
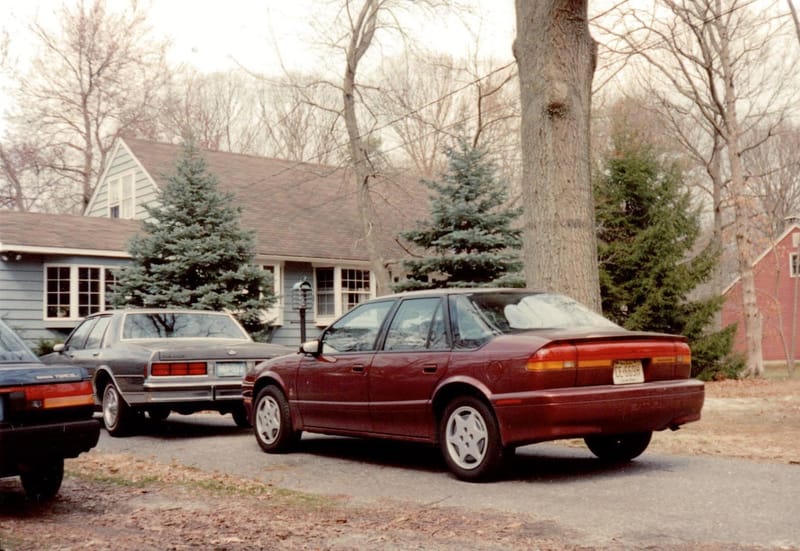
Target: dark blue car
45, 416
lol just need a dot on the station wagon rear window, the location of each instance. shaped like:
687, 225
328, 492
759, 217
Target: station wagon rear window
180, 326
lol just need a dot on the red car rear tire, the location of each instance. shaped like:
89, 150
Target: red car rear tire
618, 447
470, 440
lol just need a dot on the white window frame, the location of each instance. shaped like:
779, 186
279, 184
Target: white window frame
794, 265
120, 198
275, 313
339, 306
71, 311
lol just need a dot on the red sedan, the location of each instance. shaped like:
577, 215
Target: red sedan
479, 372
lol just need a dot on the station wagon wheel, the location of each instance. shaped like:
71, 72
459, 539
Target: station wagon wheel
42, 481
240, 417
116, 412
470, 440
618, 447
272, 421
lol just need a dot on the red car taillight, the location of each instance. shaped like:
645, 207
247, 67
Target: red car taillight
555, 357
59, 395
559, 356
178, 369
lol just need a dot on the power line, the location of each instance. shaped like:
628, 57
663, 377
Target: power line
339, 145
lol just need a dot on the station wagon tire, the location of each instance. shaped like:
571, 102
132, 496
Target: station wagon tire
272, 422
618, 447
117, 415
240, 417
41, 481
470, 440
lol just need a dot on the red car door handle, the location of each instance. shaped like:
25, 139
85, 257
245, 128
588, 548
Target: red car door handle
358, 368
429, 368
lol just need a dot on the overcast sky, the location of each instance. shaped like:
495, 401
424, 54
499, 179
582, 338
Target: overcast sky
215, 35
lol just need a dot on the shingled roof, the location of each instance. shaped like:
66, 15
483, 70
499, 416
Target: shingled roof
301, 210
43, 233
298, 211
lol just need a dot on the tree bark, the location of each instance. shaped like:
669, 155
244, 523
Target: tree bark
362, 32
738, 189
556, 56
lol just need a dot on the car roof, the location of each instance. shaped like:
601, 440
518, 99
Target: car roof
460, 291
155, 311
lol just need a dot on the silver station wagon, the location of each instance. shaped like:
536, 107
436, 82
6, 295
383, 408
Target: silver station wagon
163, 360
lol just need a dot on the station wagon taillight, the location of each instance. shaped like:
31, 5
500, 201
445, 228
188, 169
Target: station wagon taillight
178, 369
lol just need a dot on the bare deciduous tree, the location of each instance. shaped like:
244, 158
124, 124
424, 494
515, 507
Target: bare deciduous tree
363, 23
711, 65
219, 110
775, 180
95, 76
298, 124
435, 97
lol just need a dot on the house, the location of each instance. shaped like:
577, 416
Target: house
777, 282
56, 269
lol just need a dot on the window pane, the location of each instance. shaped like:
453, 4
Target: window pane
470, 329
326, 303
358, 330
355, 287
88, 291
99, 329
77, 339
110, 284
172, 325
412, 325
127, 196
58, 292
113, 198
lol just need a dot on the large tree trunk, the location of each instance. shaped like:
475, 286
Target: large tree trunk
753, 329
556, 57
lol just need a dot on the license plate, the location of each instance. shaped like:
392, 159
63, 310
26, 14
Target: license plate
231, 369
628, 371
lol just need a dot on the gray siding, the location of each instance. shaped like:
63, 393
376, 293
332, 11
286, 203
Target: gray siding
289, 333
22, 295
22, 299
121, 164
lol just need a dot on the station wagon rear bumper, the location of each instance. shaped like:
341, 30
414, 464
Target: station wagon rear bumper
576, 412
172, 393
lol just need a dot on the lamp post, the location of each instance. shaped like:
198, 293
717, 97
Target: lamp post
301, 301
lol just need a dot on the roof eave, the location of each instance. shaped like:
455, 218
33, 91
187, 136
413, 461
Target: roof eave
72, 251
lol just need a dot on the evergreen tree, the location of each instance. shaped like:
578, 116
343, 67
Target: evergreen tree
469, 236
647, 230
193, 253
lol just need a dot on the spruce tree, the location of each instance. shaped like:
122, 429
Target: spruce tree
469, 239
647, 232
193, 252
